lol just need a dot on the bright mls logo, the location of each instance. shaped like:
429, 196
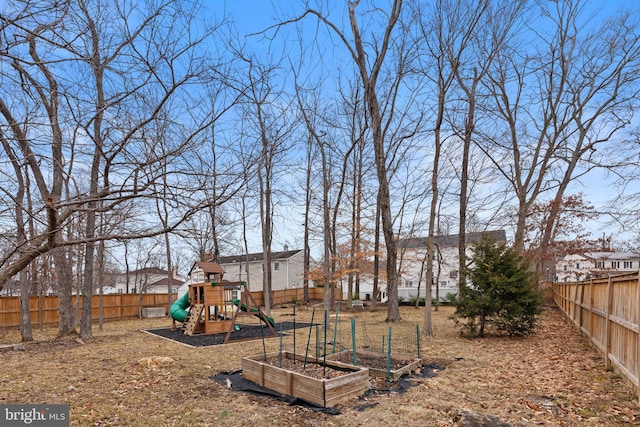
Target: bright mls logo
34, 415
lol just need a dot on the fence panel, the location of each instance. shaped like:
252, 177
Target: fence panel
123, 306
607, 311
45, 308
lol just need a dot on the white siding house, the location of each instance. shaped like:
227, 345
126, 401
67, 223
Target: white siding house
287, 269
412, 253
577, 267
411, 256
149, 280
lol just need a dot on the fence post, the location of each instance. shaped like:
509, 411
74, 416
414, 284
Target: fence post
592, 317
607, 333
638, 340
576, 302
582, 302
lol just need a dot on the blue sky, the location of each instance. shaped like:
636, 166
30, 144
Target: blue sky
252, 16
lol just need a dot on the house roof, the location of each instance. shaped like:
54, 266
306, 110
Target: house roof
258, 256
165, 281
150, 270
451, 240
611, 255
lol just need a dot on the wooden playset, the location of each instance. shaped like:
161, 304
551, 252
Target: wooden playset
212, 306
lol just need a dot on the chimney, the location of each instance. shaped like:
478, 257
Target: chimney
286, 247
207, 256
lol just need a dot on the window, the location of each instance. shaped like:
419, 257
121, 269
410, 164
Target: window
444, 284
615, 264
453, 274
276, 266
565, 267
628, 264
578, 266
599, 264
408, 284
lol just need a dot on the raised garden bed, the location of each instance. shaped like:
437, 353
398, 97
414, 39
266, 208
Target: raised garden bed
313, 382
377, 363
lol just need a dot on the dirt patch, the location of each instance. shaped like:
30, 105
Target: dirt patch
309, 368
377, 361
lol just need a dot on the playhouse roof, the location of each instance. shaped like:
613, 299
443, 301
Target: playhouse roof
207, 267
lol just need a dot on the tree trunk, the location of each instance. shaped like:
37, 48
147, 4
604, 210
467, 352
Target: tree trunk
26, 330
66, 321
307, 207
376, 259
369, 80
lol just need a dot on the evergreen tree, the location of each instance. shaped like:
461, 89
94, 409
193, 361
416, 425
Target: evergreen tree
502, 292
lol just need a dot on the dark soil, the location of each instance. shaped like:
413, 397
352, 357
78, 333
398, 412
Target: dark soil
371, 360
244, 333
309, 369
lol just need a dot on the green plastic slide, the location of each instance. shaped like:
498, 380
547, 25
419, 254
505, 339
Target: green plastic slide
178, 309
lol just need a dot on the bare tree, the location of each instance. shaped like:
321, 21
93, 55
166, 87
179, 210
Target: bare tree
370, 59
447, 38
26, 331
560, 103
137, 74
270, 124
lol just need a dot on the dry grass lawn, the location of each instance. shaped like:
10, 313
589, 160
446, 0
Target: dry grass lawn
553, 378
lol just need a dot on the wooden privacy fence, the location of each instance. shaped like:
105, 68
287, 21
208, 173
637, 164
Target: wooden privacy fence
287, 296
123, 306
606, 310
45, 308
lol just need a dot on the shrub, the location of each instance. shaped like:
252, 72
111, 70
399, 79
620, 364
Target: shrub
501, 293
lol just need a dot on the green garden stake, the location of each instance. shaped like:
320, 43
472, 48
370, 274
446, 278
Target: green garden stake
264, 347
353, 341
389, 357
324, 357
313, 313
281, 345
335, 333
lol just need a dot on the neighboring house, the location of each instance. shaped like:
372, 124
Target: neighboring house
588, 265
11, 288
150, 280
287, 269
412, 256
366, 289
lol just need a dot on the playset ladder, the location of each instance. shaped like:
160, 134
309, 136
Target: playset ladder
196, 311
